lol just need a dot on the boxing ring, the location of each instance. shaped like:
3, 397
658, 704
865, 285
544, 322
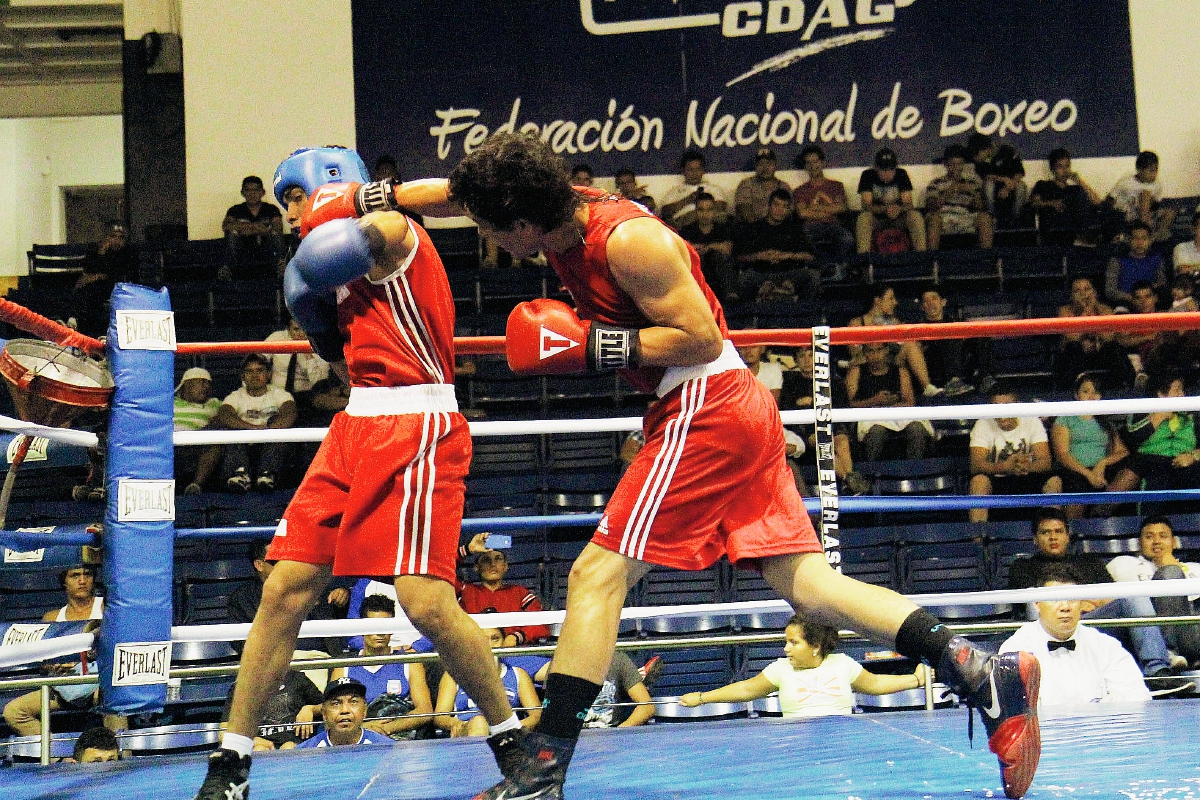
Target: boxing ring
1150, 751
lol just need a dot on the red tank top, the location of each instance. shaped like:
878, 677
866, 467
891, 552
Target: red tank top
400, 331
584, 271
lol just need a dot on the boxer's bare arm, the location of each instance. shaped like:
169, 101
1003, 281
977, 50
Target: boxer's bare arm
429, 197
399, 241
651, 264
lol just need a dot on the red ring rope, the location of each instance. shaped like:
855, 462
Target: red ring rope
48, 329
795, 337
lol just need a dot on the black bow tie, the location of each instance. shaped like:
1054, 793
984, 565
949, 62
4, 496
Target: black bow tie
1069, 644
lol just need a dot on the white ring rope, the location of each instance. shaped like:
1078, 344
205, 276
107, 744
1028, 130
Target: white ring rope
15, 655
65, 435
1141, 405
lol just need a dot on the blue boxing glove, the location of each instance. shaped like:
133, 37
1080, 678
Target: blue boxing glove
337, 252
316, 313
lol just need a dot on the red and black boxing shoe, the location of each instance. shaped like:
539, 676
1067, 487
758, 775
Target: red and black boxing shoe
534, 765
1004, 688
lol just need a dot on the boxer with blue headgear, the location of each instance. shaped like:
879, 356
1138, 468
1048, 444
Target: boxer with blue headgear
310, 167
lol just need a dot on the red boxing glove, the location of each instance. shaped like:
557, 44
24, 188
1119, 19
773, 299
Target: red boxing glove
546, 337
331, 201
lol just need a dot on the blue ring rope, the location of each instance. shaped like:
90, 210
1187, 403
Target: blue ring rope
812, 504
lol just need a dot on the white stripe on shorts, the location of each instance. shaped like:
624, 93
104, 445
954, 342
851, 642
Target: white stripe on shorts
658, 481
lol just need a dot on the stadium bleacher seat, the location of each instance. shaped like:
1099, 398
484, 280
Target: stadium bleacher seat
667, 587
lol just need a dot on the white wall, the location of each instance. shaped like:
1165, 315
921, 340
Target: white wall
41, 157
279, 78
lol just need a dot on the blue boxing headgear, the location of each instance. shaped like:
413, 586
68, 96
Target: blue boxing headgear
312, 167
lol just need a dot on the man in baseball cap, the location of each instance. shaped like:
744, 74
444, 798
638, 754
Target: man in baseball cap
344, 708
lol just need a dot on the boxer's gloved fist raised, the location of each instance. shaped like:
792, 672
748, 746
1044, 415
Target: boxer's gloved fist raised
337, 252
546, 337
315, 312
342, 200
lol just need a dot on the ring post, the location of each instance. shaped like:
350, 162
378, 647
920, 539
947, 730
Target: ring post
134, 652
44, 694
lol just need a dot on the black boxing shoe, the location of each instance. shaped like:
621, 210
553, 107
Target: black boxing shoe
228, 777
534, 767
1004, 688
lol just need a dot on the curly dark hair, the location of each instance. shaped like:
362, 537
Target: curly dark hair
514, 176
821, 637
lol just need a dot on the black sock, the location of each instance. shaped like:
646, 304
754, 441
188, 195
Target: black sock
923, 637
567, 700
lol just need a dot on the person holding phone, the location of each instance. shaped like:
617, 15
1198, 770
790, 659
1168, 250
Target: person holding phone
491, 593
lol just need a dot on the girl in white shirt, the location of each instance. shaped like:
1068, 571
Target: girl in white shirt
812, 680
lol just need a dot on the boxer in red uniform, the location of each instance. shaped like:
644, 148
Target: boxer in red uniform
712, 478
384, 494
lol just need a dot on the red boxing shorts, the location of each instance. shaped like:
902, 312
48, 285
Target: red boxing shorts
384, 496
712, 479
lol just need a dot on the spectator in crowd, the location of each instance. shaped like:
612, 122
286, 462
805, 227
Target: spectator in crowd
813, 680
195, 409
881, 383
96, 745
629, 188
1095, 351
1146, 351
1051, 540
753, 194
385, 169
945, 359
1140, 264
1003, 176
1138, 197
79, 585
317, 392
106, 264
343, 709
1086, 449
582, 175
1065, 203
245, 599
1186, 257
819, 201
253, 235
491, 594
257, 405
1009, 455
713, 240
1163, 443
798, 393
624, 683
1183, 289
954, 203
400, 689
457, 712
1156, 561
679, 202
24, 713
882, 311
887, 199
1079, 664
288, 717
774, 253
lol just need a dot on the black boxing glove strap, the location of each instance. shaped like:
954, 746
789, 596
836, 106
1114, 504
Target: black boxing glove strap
613, 348
376, 196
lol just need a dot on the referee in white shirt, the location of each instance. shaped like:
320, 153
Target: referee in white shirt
1079, 664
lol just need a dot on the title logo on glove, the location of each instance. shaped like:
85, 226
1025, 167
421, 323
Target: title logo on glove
324, 195
553, 343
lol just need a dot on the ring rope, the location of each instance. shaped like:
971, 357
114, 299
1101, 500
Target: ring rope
1139, 405
797, 337
858, 505
45, 328
15, 655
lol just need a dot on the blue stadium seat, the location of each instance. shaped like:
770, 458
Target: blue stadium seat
667, 587
503, 495
907, 267
870, 555
494, 382
692, 670
1033, 267
975, 267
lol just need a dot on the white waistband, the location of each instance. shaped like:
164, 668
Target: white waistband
381, 401
728, 360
